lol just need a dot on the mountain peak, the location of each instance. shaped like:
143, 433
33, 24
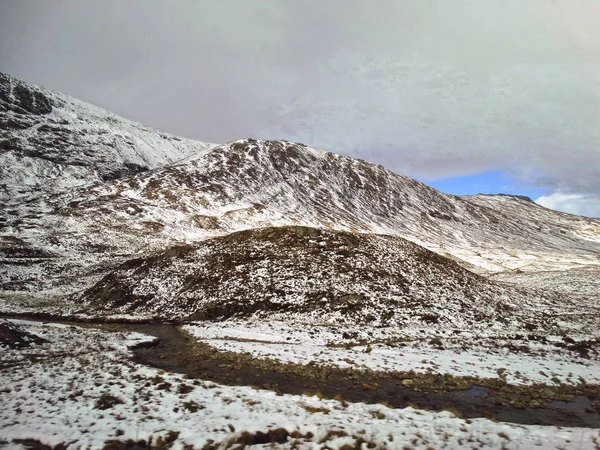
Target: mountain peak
273, 148
22, 98
51, 143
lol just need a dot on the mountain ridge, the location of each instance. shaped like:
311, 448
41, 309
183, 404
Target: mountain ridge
50, 142
252, 183
60, 239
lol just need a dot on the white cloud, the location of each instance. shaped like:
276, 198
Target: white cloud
582, 205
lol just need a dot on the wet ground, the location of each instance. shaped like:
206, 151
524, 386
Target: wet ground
175, 352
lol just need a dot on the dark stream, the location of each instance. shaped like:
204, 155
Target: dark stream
174, 354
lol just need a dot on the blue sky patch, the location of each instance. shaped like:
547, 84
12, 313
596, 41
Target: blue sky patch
489, 182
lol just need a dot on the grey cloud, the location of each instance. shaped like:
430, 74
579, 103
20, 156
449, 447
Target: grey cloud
430, 88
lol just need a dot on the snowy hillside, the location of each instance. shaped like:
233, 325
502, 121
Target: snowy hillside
85, 232
252, 183
83, 191
50, 142
307, 274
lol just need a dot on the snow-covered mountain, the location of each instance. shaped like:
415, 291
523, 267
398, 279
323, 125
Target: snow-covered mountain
85, 190
252, 183
289, 268
50, 142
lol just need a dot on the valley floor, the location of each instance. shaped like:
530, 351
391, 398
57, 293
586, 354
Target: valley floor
517, 360
79, 387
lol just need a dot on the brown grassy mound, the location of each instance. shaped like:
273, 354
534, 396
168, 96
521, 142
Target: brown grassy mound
303, 273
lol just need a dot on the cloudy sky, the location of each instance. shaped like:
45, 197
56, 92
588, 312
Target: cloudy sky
468, 95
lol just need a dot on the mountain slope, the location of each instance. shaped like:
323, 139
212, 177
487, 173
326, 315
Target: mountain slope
84, 190
546, 221
50, 142
309, 275
253, 183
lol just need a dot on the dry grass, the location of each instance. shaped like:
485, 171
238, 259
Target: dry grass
454, 411
315, 409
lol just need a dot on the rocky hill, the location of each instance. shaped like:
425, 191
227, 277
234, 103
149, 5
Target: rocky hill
311, 275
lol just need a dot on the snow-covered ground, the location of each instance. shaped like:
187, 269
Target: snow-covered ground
401, 350
81, 390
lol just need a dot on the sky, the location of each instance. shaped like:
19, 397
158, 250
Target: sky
467, 95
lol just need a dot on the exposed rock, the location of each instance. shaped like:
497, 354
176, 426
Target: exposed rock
22, 98
13, 336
